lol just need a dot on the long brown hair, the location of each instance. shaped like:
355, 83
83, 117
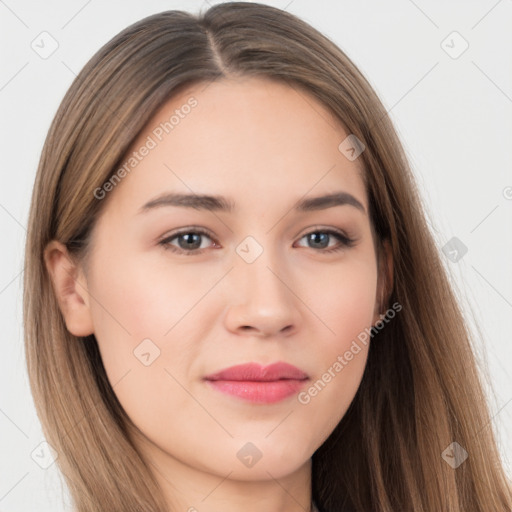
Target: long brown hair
420, 391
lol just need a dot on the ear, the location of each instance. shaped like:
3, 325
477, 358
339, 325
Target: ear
70, 286
385, 280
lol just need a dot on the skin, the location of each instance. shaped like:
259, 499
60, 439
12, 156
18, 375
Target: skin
264, 145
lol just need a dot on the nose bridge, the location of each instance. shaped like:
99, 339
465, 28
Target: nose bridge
260, 267
262, 297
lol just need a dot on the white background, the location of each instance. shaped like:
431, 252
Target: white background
452, 114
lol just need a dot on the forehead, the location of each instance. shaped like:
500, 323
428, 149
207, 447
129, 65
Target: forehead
249, 138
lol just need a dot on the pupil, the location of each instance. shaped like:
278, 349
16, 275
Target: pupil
197, 241
315, 236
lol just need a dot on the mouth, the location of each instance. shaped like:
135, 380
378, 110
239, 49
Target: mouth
257, 384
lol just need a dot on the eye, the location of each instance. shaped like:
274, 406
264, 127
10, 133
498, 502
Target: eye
321, 237
189, 241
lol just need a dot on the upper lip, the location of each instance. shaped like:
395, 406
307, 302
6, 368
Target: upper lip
256, 372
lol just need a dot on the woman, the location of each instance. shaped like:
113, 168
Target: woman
191, 342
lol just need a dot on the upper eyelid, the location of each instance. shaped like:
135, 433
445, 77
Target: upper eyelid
184, 231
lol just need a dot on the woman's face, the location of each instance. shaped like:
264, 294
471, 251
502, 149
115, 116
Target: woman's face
262, 282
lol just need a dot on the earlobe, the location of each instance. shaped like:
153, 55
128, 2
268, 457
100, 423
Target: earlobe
70, 287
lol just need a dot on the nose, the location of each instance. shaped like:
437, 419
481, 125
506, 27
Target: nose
262, 299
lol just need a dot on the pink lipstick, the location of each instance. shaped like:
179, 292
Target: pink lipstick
259, 384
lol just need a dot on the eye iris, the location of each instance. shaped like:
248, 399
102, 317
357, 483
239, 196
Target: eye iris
194, 245
314, 237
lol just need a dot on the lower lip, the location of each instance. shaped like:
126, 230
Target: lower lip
259, 391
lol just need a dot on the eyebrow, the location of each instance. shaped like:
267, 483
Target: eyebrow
223, 204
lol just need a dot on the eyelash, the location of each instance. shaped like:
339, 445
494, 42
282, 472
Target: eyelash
345, 242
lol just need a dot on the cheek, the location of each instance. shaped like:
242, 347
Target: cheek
134, 300
347, 310
146, 318
137, 312
347, 304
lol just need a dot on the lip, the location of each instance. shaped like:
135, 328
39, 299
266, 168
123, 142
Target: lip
259, 384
